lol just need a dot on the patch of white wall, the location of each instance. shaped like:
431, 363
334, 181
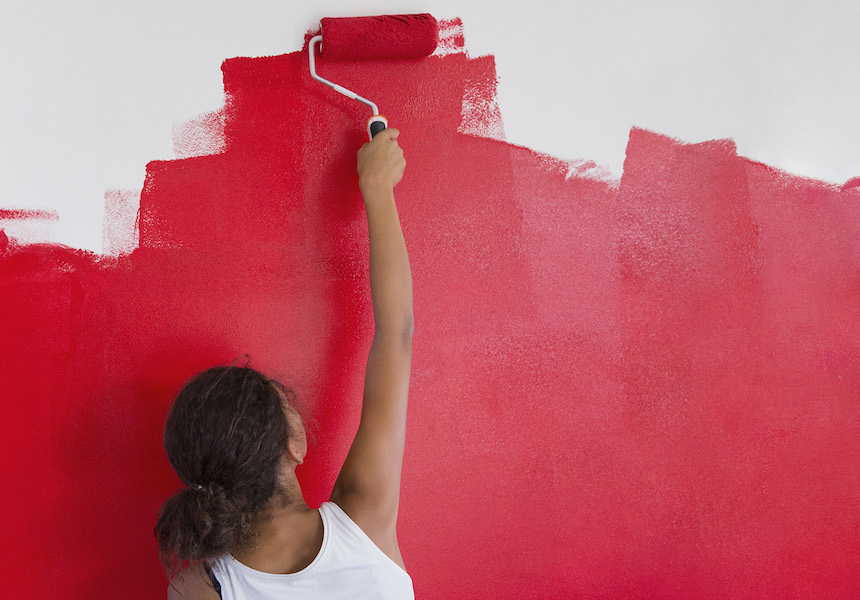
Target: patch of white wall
93, 88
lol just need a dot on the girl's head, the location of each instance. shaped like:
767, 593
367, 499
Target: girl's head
228, 434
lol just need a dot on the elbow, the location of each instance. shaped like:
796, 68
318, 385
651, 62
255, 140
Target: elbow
402, 328
407, 330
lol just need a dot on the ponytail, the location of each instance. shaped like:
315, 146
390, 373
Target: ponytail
201, 523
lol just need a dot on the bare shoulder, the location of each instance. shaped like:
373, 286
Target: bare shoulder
381, 531
192, 583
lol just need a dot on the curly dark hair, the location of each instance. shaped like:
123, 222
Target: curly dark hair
225, 435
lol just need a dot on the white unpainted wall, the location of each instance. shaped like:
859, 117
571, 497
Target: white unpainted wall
92, 89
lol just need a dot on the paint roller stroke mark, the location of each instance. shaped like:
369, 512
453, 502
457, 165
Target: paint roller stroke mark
10, 214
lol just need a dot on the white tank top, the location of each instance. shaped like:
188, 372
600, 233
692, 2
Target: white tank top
349, 565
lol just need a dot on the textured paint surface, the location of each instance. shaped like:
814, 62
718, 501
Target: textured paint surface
26, 226
379, 37
645, 388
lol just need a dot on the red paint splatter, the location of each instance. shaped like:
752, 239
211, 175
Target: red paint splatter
643, 388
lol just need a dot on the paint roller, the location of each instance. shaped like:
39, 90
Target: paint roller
373, 38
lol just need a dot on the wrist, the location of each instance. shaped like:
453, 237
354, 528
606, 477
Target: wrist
375, 189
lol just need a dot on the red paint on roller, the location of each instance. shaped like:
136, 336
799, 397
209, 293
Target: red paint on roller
382, 37
636, 389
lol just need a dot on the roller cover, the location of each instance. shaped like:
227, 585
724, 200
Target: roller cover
382, 37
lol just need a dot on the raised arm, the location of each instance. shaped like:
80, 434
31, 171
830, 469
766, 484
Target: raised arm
368, 487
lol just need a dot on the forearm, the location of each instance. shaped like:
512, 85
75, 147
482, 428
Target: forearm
390, 274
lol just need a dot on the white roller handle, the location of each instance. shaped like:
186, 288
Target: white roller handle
376, 118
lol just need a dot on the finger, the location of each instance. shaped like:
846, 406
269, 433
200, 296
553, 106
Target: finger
392, 133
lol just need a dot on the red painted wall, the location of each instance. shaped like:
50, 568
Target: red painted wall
644, 389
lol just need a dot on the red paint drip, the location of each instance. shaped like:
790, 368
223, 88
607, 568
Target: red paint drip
634, 389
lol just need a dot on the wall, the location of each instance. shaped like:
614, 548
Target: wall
633, 386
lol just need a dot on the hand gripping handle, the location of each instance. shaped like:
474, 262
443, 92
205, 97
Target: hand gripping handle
375, 124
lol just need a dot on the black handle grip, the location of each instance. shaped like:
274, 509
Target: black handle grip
376, 127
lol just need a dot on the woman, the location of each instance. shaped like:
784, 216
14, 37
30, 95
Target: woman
241, 528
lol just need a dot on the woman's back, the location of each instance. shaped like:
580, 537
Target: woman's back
348, 565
